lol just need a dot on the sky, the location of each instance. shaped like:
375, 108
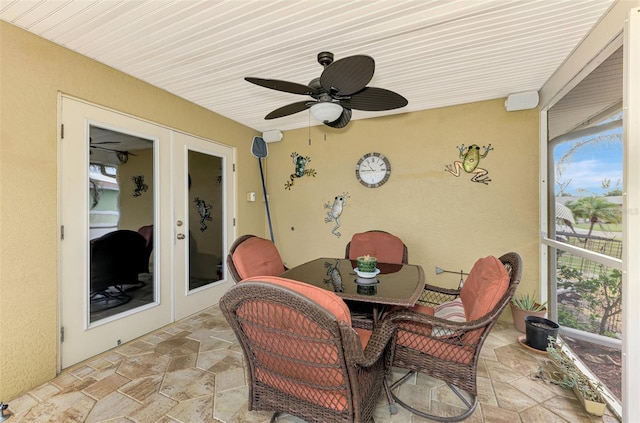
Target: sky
590, 165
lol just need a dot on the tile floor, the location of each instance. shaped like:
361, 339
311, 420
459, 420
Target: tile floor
192, 371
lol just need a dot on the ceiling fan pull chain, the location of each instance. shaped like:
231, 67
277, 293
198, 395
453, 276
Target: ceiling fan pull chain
309, 126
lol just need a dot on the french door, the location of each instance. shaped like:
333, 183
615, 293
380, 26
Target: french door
203, 222
132, 194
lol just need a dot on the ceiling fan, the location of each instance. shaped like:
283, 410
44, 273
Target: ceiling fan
341, 87
123, 156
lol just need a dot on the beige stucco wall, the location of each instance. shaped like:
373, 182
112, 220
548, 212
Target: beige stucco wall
444, 220
32, 73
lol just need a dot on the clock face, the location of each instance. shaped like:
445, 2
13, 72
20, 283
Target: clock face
373, 170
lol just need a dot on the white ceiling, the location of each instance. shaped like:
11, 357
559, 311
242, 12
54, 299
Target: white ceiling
433, 52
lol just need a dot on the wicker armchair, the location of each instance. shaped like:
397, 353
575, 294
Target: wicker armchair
302, 354
250, 255
446, 349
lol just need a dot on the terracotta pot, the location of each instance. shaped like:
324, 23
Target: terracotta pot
519, 314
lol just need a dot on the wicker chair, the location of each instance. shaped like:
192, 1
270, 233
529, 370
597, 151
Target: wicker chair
116, 259
387, 248
250, 255
302, 354
446, 349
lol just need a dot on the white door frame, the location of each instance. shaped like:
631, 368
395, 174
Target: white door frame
82, 339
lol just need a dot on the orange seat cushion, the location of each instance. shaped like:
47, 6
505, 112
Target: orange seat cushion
257, 256
418, 337
487, 282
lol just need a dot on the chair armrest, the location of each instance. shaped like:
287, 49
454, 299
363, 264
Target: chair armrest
408, 315
376, 347
433, 296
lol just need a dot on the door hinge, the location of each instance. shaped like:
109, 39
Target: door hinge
62, 131
234, 221
61, 334
61, 232
234, 167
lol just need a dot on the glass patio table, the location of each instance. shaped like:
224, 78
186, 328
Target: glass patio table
396, 284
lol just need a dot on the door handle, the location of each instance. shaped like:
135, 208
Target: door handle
180, 236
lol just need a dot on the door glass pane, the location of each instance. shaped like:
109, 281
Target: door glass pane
205, 219
121, 223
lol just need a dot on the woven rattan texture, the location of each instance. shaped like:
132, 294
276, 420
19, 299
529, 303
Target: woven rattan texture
452, 358
301, 359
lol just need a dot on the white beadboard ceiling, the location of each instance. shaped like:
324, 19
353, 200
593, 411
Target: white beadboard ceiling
433, 52
596, 97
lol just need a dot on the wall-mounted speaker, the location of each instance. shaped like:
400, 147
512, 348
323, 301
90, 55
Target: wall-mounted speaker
272, 136
521, 101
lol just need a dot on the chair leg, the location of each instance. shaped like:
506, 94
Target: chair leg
392, 398
274, 417
392, 404
470, 406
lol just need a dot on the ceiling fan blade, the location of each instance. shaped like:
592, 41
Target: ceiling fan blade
113, 150
289, 109
342, 121
349, 75
374, 99
285, 86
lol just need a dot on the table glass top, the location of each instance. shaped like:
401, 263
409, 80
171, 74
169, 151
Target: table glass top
398, 284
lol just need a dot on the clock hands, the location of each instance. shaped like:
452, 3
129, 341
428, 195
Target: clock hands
373, 170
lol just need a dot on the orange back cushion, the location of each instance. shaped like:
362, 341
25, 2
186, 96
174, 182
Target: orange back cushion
257, 256
486, 284
326, 299
385, 247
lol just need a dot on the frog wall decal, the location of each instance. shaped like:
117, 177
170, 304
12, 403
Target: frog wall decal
301, 163
335, 211
470, 160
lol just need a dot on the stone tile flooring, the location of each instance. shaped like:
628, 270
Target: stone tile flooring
192, 371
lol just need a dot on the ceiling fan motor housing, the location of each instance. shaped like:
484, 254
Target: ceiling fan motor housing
325, 58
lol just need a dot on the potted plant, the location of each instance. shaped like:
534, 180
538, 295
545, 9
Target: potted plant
568, 376
523, 306
539, 330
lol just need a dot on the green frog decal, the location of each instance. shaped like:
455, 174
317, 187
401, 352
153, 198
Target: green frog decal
470, 160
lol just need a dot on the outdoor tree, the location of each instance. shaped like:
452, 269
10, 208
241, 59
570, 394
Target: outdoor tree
602, 292
562, 186
595, 210
606, 185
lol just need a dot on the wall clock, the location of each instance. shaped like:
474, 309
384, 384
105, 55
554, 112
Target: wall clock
373, 170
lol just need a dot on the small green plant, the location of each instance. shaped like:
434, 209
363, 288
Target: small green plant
571, 376
528, 302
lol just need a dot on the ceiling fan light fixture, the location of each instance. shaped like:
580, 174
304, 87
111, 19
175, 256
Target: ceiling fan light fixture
326, 111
